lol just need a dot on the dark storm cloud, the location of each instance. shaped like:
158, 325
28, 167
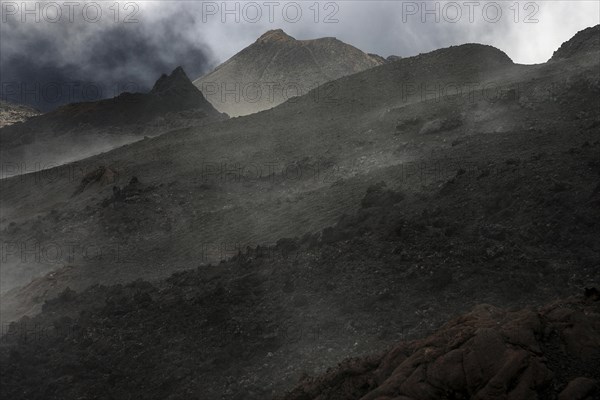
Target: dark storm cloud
49, 64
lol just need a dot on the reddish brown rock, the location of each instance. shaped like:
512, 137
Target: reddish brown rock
579, 389
487, 354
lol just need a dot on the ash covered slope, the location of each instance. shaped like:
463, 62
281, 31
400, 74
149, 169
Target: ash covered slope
231, 182
248, 328
277, 67
79, 130
585, 41
491, 200
11, 113
371, 130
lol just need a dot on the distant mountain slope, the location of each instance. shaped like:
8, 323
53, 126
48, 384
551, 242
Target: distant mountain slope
585, 41
80, 130
277, 67
171, 93
11, 113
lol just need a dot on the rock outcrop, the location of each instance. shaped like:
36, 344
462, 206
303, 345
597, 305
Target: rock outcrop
487, 354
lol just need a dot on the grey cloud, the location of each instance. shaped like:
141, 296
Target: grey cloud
40, 57
115, 55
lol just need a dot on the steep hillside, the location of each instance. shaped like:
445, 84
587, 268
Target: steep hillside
201, 194
354, 220
396, 270
278, 67
586, 41
249, 180
79, 130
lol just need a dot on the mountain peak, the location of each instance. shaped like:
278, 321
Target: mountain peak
276, 57
275, 35
176, 79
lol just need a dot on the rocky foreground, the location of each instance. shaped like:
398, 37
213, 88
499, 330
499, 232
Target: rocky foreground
248, 327
489, 353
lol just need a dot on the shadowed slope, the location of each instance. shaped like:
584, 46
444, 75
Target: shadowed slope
79, 130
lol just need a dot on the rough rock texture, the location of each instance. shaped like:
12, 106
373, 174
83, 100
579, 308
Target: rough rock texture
247, 328
277, 67
12, 113
487, 354
585, 41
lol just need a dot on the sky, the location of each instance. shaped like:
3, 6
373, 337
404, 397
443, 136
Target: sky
53, 53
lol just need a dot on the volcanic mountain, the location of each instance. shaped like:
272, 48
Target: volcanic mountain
79, 130
418, 190
277, 67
